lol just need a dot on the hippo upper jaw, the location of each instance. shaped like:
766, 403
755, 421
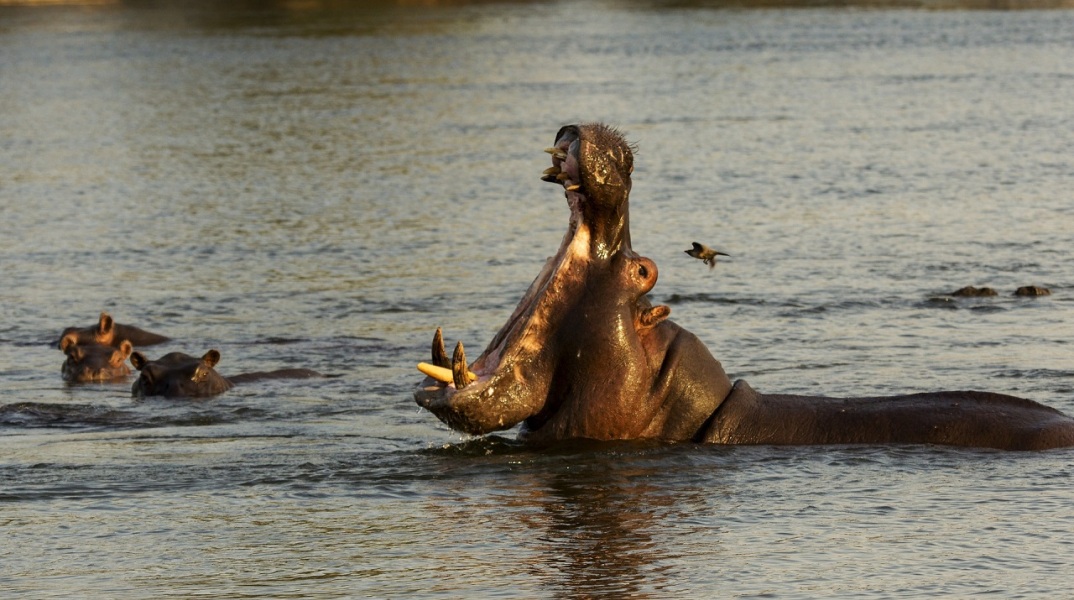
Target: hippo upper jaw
594, 163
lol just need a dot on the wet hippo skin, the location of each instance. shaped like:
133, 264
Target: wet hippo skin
179, 375
106, 331
586, 355
94, 362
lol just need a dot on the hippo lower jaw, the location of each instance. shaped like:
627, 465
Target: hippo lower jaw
513, 374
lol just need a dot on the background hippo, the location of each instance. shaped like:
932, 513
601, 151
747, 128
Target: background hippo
94, 362
106, 331
179, 375
586, 355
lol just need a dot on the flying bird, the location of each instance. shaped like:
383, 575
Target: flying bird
706, 254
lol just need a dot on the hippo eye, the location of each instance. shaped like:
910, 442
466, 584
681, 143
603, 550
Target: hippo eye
199, 374
643, 272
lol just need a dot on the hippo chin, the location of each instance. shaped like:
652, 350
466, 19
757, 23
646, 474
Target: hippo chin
586, 355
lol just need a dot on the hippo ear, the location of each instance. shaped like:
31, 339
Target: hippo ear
66, 332
105, 324
652, 316
119, 355
68, 340
211, 357
138, 360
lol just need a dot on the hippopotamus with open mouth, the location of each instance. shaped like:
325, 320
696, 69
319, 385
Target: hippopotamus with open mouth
586, 355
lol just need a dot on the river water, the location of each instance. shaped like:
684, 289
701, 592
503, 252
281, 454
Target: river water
320, 185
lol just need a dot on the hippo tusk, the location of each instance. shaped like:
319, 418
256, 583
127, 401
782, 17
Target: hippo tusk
550, 174
559, 153
459, 372
440, 373
440, 358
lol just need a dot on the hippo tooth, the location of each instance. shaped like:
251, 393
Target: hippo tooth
460, 374
557, 152
550, 174
573, 188
562, 177
440, 357
437, 373
440, 373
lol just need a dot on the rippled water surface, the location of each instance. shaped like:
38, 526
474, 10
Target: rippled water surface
321, 186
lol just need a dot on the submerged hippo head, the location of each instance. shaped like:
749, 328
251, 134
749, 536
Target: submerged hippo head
94, 362
103, 332
584, 354
109, 333
177, 375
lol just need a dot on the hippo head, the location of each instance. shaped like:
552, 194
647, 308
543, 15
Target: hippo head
94, 362
178, 375
104, 332
584, 352
109, 333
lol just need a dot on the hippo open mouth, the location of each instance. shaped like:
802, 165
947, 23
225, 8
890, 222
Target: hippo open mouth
512, 378
585, 355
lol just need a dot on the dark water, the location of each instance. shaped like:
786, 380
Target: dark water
321, 185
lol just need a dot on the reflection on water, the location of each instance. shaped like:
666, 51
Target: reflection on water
322, 184
595, 529
592, 519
